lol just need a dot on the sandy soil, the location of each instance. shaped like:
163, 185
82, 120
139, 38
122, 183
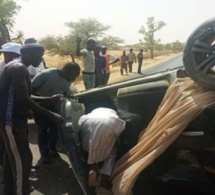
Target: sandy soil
115, 75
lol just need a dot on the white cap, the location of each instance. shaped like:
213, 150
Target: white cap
11, 47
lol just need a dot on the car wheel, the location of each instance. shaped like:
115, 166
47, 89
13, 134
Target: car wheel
199, 54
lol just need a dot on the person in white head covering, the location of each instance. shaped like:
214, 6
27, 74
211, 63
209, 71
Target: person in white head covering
11, 51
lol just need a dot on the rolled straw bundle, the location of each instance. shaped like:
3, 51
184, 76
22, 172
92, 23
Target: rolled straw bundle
183, 102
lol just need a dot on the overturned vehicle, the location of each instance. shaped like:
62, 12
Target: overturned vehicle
168, 145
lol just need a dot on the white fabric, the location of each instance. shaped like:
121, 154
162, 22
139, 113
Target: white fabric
35, 70
88, 60
100, 129
112, 58
11, 47
2, 64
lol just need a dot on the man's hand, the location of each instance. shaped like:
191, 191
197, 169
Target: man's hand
56, 118
78, 40
56, 96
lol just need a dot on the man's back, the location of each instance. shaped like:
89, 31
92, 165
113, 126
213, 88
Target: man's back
12, 111
49, 83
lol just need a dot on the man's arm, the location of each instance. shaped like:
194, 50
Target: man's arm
135, 58
78, 52
115, 61
18, 75
45, 99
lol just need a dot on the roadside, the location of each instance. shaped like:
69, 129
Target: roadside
115, 75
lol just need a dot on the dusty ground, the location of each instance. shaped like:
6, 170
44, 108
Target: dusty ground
115, 75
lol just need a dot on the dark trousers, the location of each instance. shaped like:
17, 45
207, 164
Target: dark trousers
130, 64
123, 66
140, 62
47, 138
47, 131
107, 76
1, 150
100, 80
17, 160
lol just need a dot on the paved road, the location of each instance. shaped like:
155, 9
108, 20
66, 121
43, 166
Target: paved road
55, 178
170, 64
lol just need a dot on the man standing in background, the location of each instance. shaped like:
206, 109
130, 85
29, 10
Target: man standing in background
140, 61
88, 61
100, 69
131, 59
110, 59
124, 63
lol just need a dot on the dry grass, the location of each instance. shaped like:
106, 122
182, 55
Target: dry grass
115, 75
58, 62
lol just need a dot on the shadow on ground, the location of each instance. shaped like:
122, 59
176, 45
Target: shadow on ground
55, 178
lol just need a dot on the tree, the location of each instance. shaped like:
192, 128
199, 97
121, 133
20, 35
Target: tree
177, 46
149, 40
8, 9
87, 28
84, 29
63, 46
111, 42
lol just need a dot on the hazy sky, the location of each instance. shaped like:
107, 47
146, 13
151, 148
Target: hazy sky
39, 18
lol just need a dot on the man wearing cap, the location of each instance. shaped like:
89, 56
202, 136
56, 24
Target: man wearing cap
89, 62
15, 100
10, 51
110, 59
31, 69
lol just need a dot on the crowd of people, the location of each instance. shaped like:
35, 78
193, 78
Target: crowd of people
97, 62
27, 85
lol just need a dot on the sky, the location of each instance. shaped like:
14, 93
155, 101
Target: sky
39, 18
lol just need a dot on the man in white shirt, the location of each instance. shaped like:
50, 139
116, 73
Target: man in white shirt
87, 54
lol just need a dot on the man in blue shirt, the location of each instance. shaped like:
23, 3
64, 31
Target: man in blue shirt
100, 67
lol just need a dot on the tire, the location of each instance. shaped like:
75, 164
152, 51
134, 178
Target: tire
199, 54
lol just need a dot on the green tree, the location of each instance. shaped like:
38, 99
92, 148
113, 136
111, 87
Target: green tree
149, 40
63, 46
8, 9
111, 42
168, 46
84, 29
177, 46
87, 28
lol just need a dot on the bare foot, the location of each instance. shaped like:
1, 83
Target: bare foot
92, 179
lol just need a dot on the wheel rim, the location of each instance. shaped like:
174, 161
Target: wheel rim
203, 53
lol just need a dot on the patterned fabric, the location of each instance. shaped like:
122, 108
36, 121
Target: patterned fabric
10, 105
